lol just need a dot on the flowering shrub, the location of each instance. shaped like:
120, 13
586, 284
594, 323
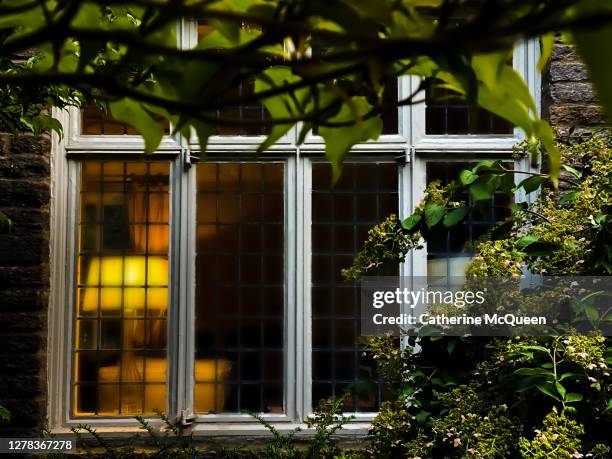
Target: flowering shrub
504, 397
560, 437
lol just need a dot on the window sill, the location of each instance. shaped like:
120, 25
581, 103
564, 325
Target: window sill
351, 431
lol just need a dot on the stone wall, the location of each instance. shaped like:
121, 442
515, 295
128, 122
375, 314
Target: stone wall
568, 99
24, 281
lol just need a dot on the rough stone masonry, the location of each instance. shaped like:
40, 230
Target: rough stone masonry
24, 280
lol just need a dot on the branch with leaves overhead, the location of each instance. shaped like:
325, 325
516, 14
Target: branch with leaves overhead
319, 63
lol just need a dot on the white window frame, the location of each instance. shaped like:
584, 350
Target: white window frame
410, 147
461, 148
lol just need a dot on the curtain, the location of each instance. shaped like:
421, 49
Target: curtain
148, 218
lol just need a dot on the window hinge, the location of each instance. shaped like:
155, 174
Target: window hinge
188, 158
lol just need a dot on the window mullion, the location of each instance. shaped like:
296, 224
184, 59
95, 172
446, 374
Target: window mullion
305, 281
291, 356
182, 282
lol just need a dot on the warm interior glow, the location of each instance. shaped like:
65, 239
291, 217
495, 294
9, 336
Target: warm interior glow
131, 271
206, 398
120, 364
130, 277
207, 370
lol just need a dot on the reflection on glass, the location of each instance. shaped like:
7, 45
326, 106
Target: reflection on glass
390, 114
122, 294
95, 121
239, 288
450, 251
365, 195
247, 112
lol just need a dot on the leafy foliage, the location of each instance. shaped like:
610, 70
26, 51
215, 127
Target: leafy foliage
174, 439
560, 437
26, 108
281, 445
5, 415
168, 440
507, 397
321, 63
387, 244
563, 233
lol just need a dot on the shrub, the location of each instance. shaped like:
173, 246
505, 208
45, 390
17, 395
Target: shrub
505, 397
560, 437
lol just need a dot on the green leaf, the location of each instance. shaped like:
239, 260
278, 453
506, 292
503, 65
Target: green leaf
591, 312
48, 122
339, 140
5, 415
532, 372
547, 390
541, 249
433, 214
546, 46
412, 221
450, 347
421, 417
547, 137
203, 131
304, 130
560, 389
133, 113
525, 241
455, 216
530, 184
488, 165
484, 188
537, 348
281, 106
572, 171
568, 375
507, 105
570, 196
489, 67
467, 177
5, 223
31, 18
571, 397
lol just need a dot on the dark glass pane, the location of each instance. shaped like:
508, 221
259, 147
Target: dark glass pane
365, 195
95, 121
248, 114
240, 288
390, 114
450, 251
446, 113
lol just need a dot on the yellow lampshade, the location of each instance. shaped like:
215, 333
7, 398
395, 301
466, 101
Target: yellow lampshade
128, 277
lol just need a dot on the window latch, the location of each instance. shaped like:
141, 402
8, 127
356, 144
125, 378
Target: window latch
186, 417
188, 158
